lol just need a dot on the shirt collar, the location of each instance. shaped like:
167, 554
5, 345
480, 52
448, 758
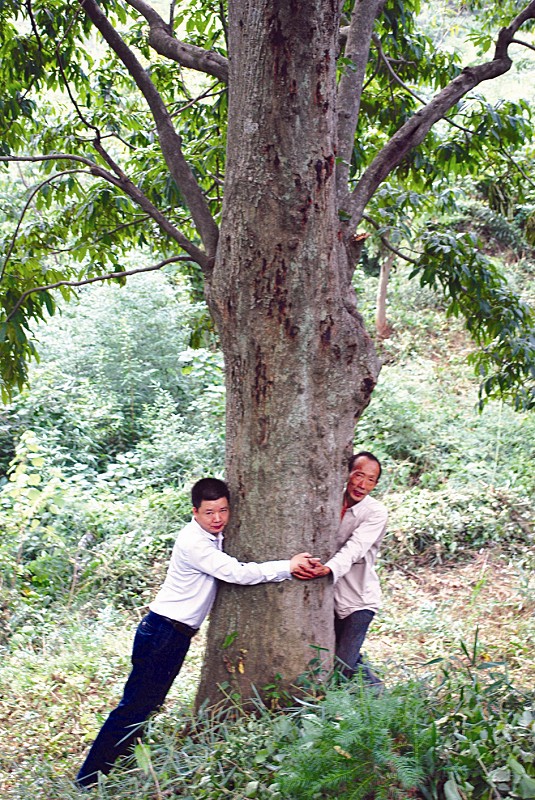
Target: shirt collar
213, 536
354, 508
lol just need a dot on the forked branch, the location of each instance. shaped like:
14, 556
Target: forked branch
413, 132
164, 42
170, 141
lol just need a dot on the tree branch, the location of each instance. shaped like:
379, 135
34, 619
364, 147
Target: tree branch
524, 44
125, 185
34, 27
170, 141
393, 74
386, 241
511, 160
395, 77
25, 209
86, 281
223, 19
357, 46
413, 132
210, 92
105, 234
164, 42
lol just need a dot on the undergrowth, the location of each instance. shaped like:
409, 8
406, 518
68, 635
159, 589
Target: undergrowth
465, 732
457, 730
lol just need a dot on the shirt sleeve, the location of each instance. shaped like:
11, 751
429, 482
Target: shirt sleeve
206, 557
363, 537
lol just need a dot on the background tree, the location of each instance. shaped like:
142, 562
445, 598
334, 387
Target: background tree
318, 116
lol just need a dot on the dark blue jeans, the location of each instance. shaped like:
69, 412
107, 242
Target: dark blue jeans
350, 634
157, 655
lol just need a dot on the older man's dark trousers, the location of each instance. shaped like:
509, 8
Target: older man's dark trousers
350, 634
157, 656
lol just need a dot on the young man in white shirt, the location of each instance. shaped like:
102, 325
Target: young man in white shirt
183, 602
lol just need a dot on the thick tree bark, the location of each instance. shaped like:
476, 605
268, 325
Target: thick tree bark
300, 367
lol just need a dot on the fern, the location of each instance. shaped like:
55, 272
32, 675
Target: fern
359, 746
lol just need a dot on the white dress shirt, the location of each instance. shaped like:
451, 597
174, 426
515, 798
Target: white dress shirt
197, 560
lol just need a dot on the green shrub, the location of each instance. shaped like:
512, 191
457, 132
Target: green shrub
464, 732
452, 521
75, 538
115, 371
426, 434
486, 730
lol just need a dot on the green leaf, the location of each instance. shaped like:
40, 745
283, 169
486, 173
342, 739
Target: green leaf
143, 757
251, 788
229, 640
525, 787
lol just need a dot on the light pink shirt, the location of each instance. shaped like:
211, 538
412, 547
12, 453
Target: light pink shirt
359, 535
197, 562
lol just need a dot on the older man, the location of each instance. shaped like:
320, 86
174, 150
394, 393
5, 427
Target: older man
357, 593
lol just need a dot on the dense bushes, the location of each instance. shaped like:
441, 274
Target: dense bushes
469, 735
69, 536
448, 522
98, 453
110, 367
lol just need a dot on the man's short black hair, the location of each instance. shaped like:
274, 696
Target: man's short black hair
364, 454
208, 489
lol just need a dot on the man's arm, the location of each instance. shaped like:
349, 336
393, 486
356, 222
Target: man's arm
356, 547
363, 537
204, 557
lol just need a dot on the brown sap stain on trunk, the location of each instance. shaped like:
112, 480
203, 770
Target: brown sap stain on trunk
324, 169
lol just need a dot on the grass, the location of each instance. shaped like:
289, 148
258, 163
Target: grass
61, 685
63, 681
430, 610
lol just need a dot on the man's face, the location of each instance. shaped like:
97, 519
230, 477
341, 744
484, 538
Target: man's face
363, 479
213, 515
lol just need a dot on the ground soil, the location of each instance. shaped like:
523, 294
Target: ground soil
485, 604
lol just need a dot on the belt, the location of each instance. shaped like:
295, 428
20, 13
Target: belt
187, 630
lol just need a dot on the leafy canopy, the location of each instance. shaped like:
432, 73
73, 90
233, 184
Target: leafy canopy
90, 173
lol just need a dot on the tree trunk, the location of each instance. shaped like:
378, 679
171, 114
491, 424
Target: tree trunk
300, 366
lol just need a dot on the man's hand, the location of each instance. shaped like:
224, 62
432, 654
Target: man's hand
305, 567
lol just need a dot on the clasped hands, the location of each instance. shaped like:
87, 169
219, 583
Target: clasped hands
305, 567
